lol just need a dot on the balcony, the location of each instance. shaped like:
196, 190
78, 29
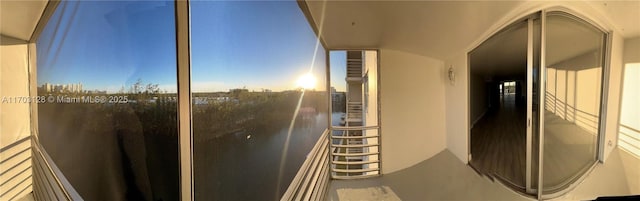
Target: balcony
381, 110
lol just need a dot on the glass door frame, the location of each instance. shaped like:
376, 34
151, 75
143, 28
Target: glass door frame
528, 20
529, 124
604, 91
606, 62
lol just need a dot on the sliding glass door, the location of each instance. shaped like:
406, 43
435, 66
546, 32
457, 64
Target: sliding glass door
574, 55
564, 60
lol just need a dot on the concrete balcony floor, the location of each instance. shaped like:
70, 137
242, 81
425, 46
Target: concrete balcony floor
444, 177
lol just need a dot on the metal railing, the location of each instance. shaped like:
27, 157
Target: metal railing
629, 139
355, 153
583, 119
48, 181
16, 167
312, 179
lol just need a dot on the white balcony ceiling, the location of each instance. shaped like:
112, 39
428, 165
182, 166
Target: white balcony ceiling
437, 29
18, 19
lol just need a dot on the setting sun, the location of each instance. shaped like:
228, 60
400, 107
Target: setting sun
307, 81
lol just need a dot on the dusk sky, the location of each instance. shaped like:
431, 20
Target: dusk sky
108, 45
338, 65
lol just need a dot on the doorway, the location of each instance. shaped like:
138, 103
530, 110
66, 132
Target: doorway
535, 90
498, 69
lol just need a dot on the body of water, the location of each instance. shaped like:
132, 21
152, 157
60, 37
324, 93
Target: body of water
238, 167
105, 161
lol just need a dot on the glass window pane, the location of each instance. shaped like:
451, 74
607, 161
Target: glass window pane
259, 95
574, 58
108, 72
498, 119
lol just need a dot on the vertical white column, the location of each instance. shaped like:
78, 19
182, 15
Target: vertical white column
604, 96
543, 78
185, 131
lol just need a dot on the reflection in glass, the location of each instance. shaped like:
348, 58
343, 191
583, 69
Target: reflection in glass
259, 97
108, 70
574, 58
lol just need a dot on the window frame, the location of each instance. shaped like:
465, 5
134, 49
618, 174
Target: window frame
182, 19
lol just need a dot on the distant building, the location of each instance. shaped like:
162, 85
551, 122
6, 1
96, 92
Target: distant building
62, 88
238, 90
57, 88
46, 87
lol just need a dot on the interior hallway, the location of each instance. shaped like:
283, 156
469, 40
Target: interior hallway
498, 142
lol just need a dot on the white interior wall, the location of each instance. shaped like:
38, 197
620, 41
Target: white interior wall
457, 105
628, 139
631, 50
413, 109
371, 68
630, 112
629, 135
480, 103
371, 110
14, 119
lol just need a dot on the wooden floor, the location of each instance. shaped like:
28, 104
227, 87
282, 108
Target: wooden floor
498, 147
498, 142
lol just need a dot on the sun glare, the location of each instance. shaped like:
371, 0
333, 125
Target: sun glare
307, 81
